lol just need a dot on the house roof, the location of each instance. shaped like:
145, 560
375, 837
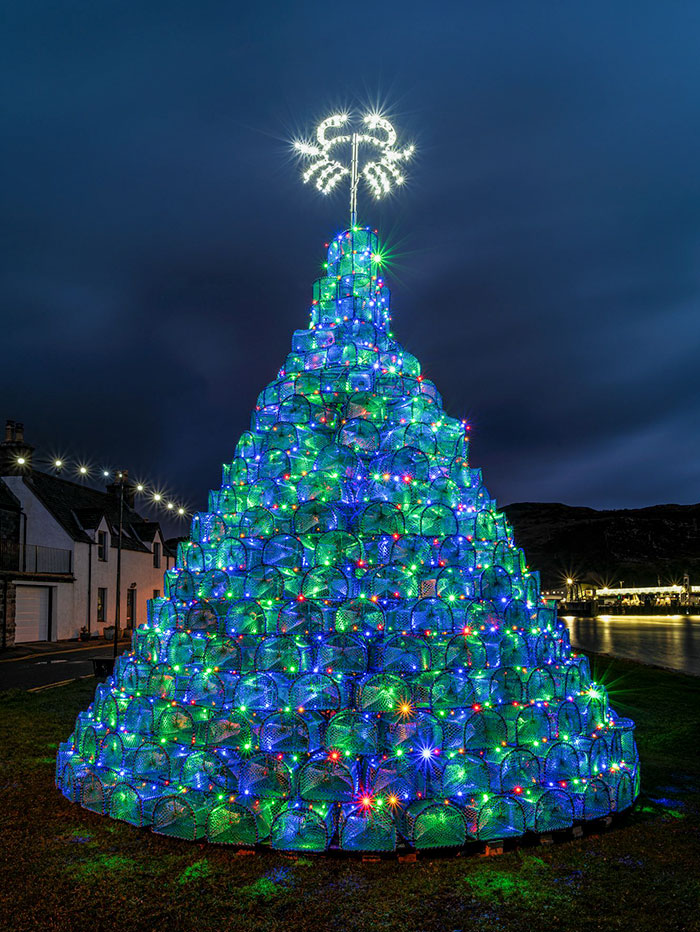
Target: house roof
89, 517
78, 507
147, 530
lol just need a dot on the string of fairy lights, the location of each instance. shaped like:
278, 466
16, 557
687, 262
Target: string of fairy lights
72, 466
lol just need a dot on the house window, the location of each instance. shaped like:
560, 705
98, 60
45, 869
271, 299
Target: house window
156, 555
101, 605
156, 593
102, 548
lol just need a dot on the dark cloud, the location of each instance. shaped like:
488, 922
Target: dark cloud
159, 247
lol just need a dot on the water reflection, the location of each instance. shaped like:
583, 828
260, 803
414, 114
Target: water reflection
665, 640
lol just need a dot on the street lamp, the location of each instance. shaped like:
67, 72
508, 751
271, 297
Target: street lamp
569, 588
122, 478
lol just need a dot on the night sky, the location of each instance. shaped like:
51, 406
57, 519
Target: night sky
159, 246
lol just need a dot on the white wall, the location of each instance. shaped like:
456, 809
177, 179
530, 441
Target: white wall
136, 567
42, 528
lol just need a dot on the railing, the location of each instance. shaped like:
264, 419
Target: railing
34, 559
596, 608
46, 560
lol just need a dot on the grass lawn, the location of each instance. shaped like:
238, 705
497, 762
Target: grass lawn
62, 867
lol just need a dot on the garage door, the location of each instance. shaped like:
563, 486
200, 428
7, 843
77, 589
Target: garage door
32, 614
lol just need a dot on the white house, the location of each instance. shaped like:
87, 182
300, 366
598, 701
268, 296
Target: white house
58, 553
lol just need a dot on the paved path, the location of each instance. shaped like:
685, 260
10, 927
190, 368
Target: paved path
40, 666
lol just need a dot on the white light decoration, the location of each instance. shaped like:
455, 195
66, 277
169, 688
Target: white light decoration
60, 463
381, 173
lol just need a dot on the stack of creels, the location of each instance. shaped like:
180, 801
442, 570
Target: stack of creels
351, 650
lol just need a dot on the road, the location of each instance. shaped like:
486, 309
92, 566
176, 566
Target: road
45, 667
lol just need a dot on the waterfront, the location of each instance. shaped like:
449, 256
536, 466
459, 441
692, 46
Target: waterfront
671, 641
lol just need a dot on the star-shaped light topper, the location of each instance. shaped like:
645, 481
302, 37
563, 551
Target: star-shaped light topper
381, 173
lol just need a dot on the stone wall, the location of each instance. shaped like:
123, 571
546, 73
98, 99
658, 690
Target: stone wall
8, 597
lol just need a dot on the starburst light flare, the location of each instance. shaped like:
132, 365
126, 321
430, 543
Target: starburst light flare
381, 173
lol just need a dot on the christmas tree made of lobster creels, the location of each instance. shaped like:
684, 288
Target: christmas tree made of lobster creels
351, 651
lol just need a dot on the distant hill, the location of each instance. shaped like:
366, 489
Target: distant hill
637, 545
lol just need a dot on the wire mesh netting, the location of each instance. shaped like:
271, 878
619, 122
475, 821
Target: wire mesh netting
351, 649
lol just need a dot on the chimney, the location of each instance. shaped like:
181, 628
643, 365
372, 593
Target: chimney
15, 452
